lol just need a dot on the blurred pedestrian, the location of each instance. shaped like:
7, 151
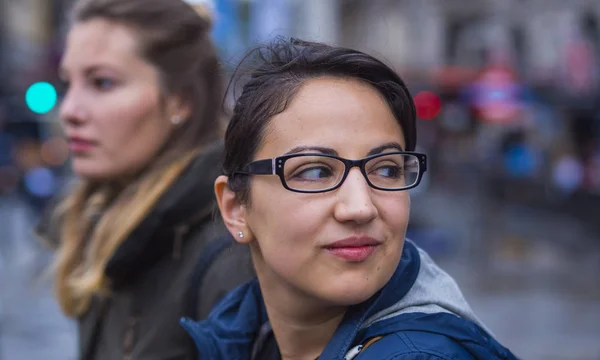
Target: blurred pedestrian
141, 113
319, 158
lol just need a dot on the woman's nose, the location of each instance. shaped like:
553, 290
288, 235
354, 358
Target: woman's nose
71, 109
355, 202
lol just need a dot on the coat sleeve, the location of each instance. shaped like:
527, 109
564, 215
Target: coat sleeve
231, 268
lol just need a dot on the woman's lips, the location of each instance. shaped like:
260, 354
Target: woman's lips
353, 254
353, 249
80, 145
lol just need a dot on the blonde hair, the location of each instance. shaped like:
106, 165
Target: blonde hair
96, 218
86, 247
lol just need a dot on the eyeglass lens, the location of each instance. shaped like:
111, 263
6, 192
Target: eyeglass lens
316, 173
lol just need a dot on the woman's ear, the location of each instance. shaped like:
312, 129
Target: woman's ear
176, 106
232, 211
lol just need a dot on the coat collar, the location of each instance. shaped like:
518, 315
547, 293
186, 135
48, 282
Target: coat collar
186, 203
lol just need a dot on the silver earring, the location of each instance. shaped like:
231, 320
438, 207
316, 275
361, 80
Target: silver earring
241, 235
177, 119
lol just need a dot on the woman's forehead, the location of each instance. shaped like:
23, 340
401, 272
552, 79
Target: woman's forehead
99, 43
341, 114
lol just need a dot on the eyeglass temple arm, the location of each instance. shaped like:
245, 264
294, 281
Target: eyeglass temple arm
260, 167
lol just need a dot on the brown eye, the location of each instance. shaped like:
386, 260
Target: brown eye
103, 84
314, 173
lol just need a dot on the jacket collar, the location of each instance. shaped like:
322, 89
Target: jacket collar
234, 324
187, 202
467, 334
398, 286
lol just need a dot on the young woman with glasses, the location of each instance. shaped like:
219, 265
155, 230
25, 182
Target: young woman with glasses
319, 158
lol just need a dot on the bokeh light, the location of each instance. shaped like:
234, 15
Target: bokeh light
41, 97
40, 182
428, 105
55, 151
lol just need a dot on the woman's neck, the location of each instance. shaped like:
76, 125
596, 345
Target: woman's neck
303, 325
302, 329
302, 337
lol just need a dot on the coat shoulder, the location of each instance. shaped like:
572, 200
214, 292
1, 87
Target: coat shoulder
230, 267
415, 345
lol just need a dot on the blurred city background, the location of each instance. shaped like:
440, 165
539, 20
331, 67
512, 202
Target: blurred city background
508, 97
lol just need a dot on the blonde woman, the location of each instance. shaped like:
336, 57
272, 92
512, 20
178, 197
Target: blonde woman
141, 117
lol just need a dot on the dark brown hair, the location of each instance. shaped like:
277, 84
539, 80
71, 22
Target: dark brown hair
277, 71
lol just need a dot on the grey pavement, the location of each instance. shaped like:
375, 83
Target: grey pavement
31, 324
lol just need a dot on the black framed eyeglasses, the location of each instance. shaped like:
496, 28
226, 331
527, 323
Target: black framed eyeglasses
315, 173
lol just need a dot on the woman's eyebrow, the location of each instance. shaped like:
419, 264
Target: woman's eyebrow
329, 151
300, 149
388, 146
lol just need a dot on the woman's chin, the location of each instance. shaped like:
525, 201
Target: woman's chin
95, 171
350, 295
89, 169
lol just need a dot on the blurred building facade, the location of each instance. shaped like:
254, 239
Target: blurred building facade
498, 65
547, 51
425, 33
31, 33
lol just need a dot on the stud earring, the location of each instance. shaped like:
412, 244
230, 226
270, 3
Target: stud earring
176, 120
241, 235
